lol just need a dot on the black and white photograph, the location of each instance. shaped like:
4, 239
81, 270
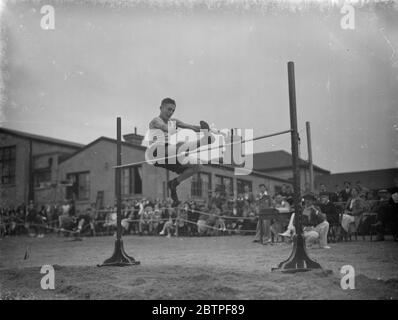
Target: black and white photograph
198, 154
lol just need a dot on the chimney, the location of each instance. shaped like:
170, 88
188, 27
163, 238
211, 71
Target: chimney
133, 138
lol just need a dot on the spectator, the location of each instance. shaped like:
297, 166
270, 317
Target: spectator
218, 198
334, 196
322, 188
155, 220
145, 218
169, 226
289, 195
86, 220
110, 220
2, 223
345, 194
315, 225
353, 213
281, 205
181, 224
332, 213
263, 194
248, 195
193, 217
264, 202
284, 191
41, 219
31, 218
249, 218
387, 214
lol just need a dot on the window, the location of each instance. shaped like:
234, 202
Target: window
241, 185
80, 189
226, 182
132, 180
42, 176
7, 165
200, 185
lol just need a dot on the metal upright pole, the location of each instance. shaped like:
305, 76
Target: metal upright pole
119, 258
311, 166
118, 178
298, 260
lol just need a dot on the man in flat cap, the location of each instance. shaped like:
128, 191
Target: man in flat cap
315, 225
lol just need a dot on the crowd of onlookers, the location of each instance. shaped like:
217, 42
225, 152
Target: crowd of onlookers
345, 211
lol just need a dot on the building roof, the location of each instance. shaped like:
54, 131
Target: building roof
126, 144
278, 160
42, 139
258, 174
371, 179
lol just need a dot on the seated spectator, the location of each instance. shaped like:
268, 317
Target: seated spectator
282, 206
284, 192
145, 219
353, 214
315, 225
345, 194
20, 220
9, 221
156, 219
248, 195
86, 221
2, 223
169, 226
332, 213
203, 229
52, 216
226, 214
387, 215
110, 220
334, 196
289, 195
249, 221
41, 220
218, 198
322, 188
99, 220
193, 217
181, 223
31, 219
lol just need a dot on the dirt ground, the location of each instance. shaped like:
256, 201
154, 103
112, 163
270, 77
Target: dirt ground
227, 267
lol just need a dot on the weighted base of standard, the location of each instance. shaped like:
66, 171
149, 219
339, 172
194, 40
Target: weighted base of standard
119, 258
298, 261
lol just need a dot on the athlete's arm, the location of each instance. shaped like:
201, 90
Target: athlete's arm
158, 124
183, 125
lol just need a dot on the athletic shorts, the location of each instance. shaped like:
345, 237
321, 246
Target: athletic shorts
176, 167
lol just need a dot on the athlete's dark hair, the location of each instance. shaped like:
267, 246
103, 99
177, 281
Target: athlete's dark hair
167, 100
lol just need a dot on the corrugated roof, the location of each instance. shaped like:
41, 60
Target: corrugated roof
103, 139
276, 160
41, 138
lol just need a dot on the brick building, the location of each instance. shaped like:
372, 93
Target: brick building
29, 167
371, 179
279, 164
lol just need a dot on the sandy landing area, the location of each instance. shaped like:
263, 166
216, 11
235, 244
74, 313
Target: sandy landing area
227, 267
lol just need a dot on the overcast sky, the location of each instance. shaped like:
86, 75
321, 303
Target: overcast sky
227, 66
